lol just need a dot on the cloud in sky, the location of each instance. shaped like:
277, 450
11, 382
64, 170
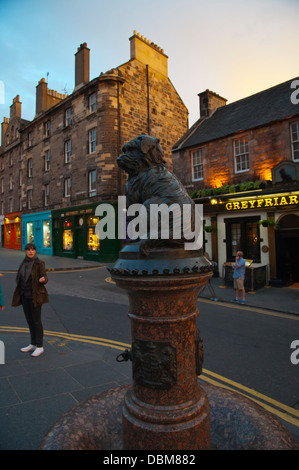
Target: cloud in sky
235, 48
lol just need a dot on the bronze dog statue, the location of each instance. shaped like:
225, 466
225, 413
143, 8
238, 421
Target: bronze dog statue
149, 182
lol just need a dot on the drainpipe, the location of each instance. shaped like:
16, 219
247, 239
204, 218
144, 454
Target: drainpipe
148, 102
119, 188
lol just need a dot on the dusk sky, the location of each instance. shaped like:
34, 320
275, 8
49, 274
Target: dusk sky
234, 47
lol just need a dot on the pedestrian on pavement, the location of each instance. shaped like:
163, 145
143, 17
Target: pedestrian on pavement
32, 294
2, 304
239, 276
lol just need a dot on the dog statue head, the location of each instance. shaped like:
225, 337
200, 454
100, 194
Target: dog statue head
140, 154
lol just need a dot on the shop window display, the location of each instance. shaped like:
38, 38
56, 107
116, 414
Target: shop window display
47, 233
67, 236
93, 242
30, 236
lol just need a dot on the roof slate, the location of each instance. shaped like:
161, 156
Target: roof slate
256, 110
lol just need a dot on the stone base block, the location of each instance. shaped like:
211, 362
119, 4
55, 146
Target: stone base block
237, 423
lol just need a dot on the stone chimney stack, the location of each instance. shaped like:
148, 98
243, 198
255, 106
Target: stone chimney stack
81, 66
16, 107
4, 126
41, 96
148, 53
46, 98
209, 102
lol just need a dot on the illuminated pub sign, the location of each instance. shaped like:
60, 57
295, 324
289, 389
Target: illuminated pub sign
272, 201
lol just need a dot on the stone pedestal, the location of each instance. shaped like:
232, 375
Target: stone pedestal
166, 408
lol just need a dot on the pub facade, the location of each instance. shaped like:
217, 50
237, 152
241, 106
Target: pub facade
241, 162
265, 226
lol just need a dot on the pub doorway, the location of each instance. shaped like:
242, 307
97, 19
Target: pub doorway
287, 249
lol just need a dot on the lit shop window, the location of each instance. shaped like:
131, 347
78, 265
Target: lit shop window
93, 242
30, 236
18, 233
8, 232
47, 233
67, 237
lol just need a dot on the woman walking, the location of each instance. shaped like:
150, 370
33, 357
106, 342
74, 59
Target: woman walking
32, 294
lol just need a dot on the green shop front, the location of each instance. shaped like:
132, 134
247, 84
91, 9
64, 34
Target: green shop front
75, 235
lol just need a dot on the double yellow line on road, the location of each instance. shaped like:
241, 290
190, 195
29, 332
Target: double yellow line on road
71, 337
284, 412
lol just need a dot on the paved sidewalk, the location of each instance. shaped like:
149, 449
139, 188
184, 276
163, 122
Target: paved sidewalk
34, 393
278, 299
10, 261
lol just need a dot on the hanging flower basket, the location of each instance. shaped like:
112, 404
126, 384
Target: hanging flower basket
267, 222
209, 228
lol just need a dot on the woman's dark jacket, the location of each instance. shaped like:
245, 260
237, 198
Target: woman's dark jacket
40, 294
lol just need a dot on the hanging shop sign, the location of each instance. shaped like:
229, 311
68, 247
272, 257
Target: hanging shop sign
275, 200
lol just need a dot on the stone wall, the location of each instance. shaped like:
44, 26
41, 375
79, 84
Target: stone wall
131, 99
267, 146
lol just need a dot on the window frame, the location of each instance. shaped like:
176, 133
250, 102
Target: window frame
29, 198
67, 187
92, 143
295, 141
29, 168
92, 102
92, 192
46, 194
197, 153
47, 160
241, 140
47, 128
67, 151
30, 139
68, 117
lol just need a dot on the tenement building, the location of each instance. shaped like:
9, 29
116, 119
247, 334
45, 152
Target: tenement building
56, 169
241, 161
